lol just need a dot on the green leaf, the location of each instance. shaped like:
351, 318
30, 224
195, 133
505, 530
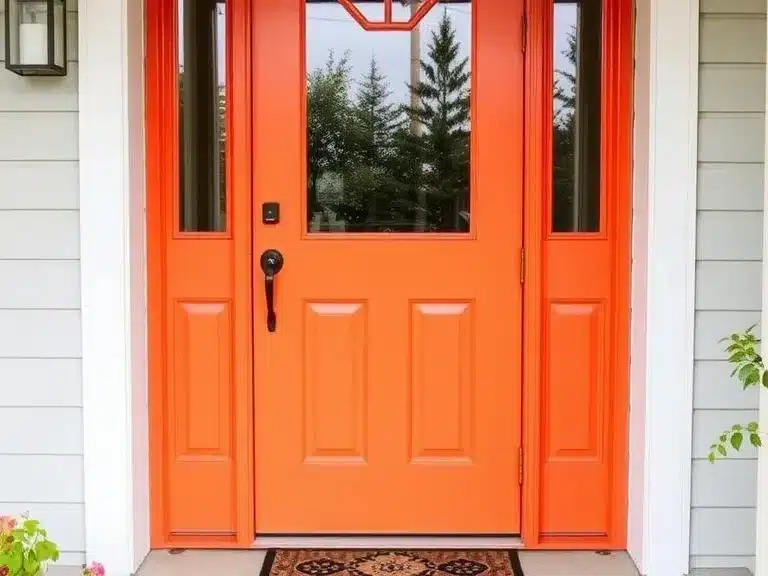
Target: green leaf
711, 457
752, 426
724, 437
14, 563
744, 371
736, 441
738, 356
765, 379
755, 440
753, 377
737, 427
721, 449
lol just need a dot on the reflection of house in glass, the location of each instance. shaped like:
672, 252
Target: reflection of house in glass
202, 115
388, 119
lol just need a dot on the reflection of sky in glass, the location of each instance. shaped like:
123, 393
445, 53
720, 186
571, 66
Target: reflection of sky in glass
566, 15
331, 27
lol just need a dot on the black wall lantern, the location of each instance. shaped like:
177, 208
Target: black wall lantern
36, 37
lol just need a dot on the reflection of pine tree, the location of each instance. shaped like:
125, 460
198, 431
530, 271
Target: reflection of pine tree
369, 185
443, 146
328, 124
564, 139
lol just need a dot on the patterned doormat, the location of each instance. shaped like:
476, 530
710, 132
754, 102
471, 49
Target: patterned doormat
392, 563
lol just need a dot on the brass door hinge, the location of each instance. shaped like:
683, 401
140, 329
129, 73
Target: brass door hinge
520, 468
522, 265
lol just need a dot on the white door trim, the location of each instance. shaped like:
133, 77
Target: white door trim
663, 298
112, 229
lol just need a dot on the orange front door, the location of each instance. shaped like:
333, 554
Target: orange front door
388, 387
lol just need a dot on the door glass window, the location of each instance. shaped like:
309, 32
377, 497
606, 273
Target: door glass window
576, 122
202, 115
388, 118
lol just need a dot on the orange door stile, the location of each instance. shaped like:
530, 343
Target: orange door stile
200, 303
387, 399
577, 310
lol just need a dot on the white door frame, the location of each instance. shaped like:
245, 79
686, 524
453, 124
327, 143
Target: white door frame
113, 252
113, 269
663, 299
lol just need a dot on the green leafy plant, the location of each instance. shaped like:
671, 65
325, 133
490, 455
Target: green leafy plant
26, 550
750, 371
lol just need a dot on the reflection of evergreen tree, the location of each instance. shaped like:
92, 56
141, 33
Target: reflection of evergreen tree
370, 186
564, 140
444, 115
329, 117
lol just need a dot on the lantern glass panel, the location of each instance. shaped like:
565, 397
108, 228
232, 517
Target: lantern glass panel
33, 33
59, 33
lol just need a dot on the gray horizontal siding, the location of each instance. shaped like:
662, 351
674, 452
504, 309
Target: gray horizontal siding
728, 272
40, 331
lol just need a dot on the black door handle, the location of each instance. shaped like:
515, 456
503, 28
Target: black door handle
271, 264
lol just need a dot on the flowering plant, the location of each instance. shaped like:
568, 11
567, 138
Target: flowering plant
25, 549
94, 569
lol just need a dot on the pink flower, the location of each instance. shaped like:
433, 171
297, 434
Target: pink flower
95, 569
7, 523
4, 570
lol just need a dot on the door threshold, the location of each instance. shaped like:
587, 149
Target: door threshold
390, 542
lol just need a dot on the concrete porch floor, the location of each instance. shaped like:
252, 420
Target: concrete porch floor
248, 563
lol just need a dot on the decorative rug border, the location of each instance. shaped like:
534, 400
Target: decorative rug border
269, 559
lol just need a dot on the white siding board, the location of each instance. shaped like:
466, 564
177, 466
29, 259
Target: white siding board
728, 483
38, 185
31, 481
715, 389
38, 135
49, 235
726, 186
40, 382
69, 565
729, 236
24, 94
722, 565
729, 285
723, 531
40, 334
732, 88
732, 6
56, 431
731, 137
712, 326
708, 425
732, 38
37, 284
